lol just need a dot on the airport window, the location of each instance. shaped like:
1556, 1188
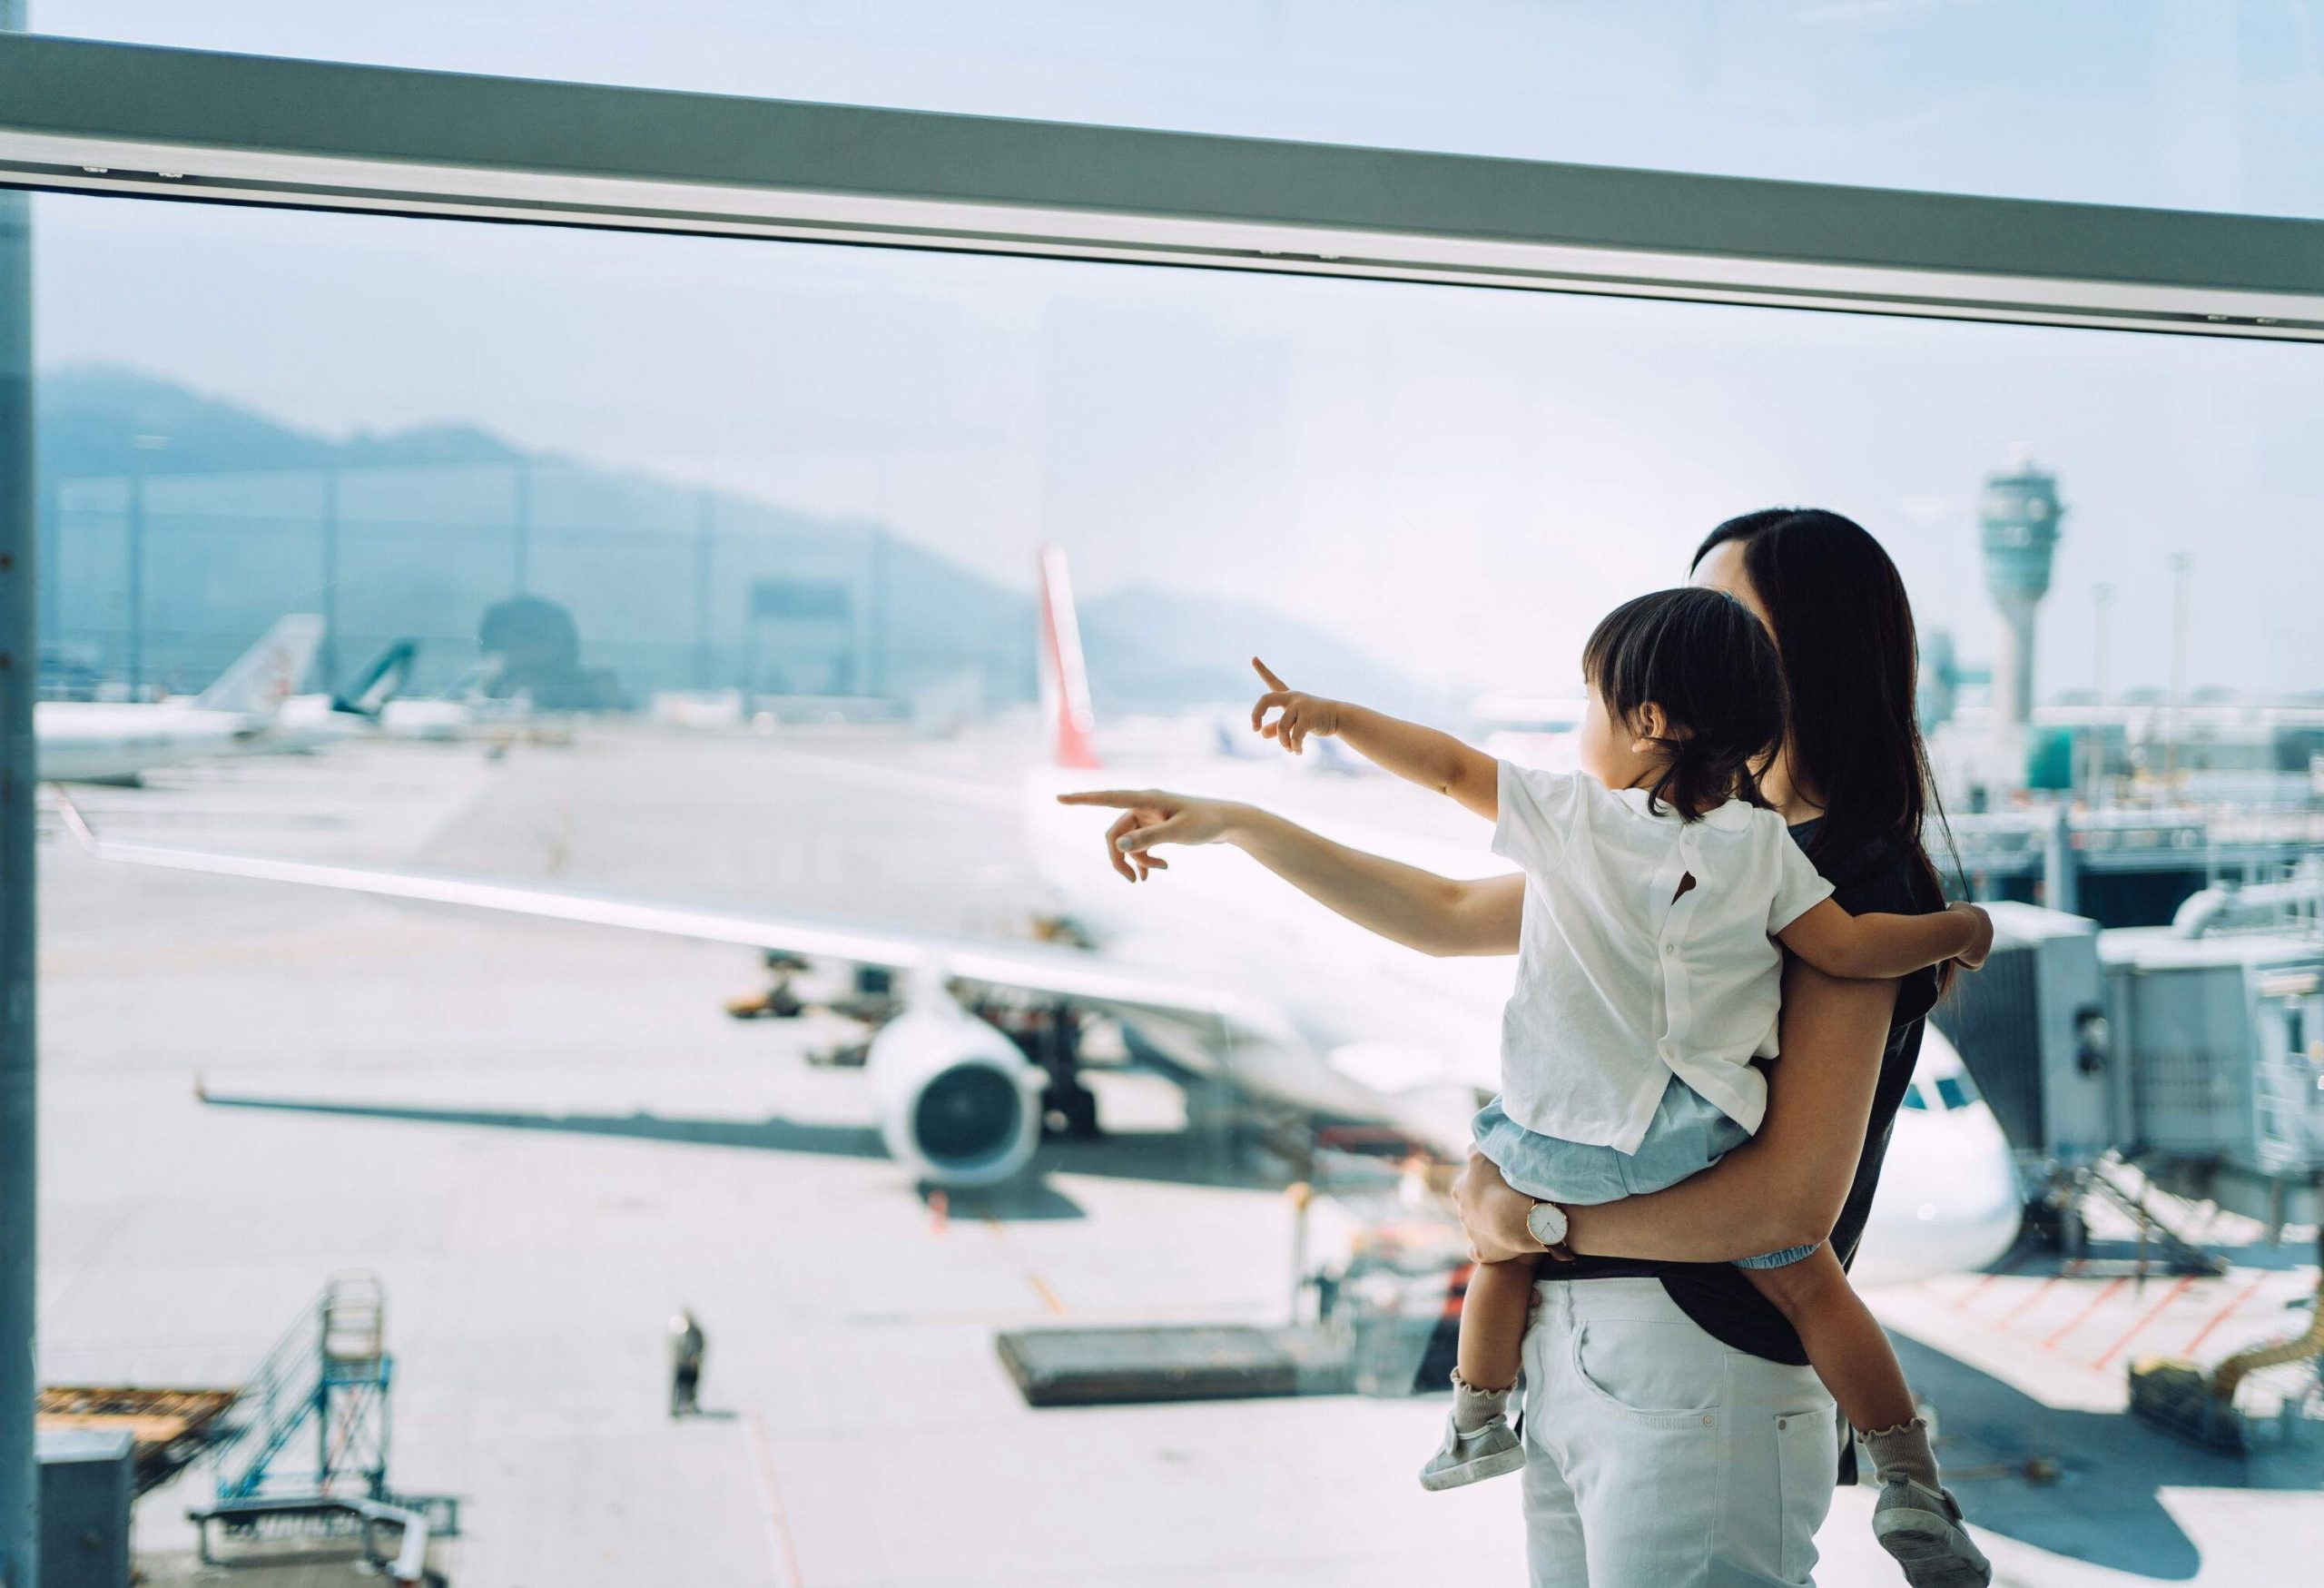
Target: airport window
736, 605
2153, 103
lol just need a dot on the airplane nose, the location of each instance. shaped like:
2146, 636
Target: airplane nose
1950, 1204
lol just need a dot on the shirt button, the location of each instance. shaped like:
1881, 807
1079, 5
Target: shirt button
1708, 1420
1669, 948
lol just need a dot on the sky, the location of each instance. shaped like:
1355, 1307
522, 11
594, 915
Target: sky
1462, 481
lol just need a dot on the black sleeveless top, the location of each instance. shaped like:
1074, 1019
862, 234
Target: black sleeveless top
1875, 876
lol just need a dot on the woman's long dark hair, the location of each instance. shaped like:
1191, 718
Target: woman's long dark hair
1851, 667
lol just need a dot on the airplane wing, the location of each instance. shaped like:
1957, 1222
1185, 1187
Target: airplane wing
1060, 972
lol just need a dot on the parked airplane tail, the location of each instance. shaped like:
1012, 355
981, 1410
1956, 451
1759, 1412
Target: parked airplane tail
268, 674
379, 683
1065, 679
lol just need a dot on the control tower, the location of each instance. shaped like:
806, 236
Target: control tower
2019, 513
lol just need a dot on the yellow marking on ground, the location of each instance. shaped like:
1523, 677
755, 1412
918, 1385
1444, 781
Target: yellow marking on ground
1041, 1288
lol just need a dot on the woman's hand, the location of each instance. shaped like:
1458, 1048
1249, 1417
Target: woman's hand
1298, 714
1150, 817
1493, 1213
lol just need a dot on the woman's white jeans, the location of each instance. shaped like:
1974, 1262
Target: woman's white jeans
1658, 1457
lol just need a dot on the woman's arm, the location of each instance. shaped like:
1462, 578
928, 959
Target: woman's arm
1783, 1187
1419, 909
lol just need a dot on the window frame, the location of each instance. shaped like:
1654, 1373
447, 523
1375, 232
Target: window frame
94, 117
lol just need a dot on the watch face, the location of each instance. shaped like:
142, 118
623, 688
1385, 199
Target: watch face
1547, 1223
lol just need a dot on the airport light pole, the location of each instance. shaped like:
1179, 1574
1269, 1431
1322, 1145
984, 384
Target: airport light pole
2102, 598
330, 527
2180, 564
134, 556
19, 773
705, 554
520, 528
875, 611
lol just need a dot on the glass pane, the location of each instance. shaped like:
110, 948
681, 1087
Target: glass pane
2159, 102
720, 562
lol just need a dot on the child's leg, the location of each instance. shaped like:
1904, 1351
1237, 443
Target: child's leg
1479, 1443
1492, 1338
1915, 1519
1851, 1354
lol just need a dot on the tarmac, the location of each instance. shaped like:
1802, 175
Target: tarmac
545, 1139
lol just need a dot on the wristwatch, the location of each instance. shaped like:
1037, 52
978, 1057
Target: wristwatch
1546, 1223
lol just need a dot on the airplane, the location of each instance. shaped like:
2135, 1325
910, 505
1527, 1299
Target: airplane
307, 723
1222, 971
463, 711
117, 742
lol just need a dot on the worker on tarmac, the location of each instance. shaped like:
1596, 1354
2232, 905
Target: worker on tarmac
686, 1347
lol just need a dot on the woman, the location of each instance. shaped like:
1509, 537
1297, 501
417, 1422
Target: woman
1676, 1435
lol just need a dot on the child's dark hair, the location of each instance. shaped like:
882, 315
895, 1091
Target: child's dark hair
1701, 656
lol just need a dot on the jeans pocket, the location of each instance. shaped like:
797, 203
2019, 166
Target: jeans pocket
1807, 1446
1657, 1375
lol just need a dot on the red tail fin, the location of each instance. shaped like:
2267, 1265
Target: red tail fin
1065, 680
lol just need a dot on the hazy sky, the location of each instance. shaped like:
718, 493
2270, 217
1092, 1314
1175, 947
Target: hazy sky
1463, 479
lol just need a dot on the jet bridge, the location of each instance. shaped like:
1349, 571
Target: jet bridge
2187, 1060
2196, 1054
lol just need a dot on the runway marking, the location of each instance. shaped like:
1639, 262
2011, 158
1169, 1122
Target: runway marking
2105, 1292
2146, 1317
1963, 1300
2032, 1297
1041, 1288
2222, 1315
782, 1555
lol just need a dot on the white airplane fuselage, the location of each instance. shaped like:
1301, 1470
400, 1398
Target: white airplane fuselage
441, 720
311, 722
1373, 1030
94, 742
115, 742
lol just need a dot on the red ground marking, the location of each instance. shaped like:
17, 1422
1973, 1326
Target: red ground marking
783, 1555
1973, 1291
2222, 1315
2146, 1317
2105, 1294
2033, 1296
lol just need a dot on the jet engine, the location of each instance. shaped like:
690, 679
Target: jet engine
957, 1103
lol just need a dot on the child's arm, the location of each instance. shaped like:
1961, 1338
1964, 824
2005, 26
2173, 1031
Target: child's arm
1419, 754
1873, 948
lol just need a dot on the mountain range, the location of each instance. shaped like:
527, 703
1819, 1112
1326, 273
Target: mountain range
671, 587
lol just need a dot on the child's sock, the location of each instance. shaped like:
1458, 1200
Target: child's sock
1902, 1450
1473, 1407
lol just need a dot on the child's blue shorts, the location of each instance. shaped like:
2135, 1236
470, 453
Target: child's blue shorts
1687, 1136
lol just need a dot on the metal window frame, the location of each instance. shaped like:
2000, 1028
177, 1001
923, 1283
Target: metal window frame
83, 116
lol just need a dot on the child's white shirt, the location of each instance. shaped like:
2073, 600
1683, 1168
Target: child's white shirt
1622, 982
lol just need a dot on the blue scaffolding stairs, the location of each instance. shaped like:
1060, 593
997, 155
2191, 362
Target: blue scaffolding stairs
305, 1444
328, 1379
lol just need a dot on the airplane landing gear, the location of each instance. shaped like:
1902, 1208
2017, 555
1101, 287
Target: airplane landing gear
1050, 1037
779, 1001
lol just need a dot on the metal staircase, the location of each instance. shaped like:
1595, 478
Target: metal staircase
329, 1373
305, 1446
